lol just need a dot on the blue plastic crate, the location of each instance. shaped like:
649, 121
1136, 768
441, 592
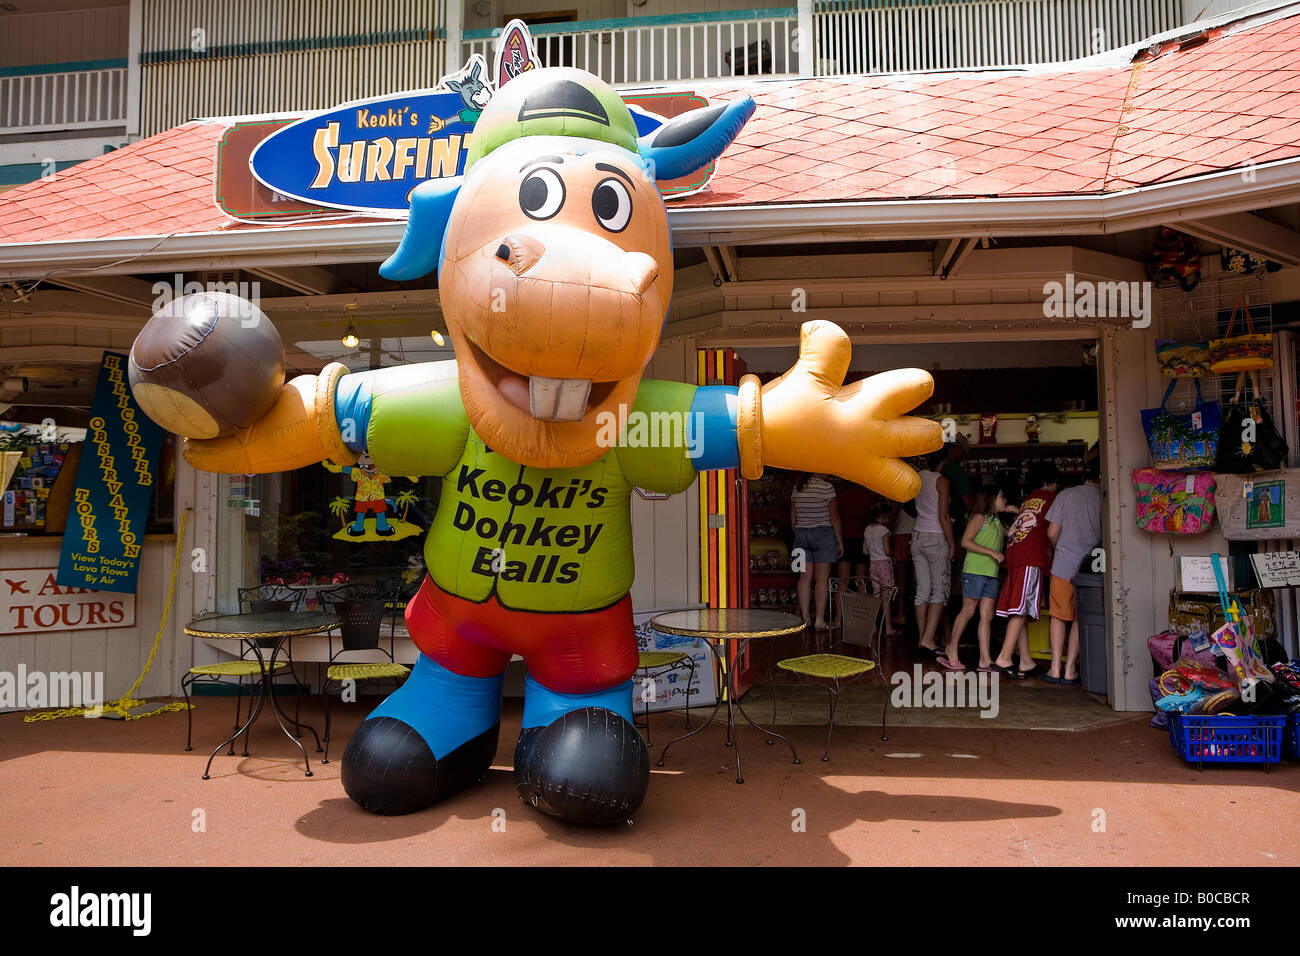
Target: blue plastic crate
1202, 739
1291, 739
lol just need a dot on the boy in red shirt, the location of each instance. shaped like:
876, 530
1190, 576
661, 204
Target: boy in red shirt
1028, 556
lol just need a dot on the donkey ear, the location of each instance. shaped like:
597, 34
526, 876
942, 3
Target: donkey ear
422, 247
692, 140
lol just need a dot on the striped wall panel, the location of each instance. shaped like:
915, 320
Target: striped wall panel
887, 36
282, 55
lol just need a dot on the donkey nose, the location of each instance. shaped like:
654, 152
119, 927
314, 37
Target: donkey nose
641, 269
520, 253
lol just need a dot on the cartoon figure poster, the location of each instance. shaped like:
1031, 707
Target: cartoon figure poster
371, 502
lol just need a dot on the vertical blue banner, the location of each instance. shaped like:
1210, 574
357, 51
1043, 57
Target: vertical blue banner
115, 480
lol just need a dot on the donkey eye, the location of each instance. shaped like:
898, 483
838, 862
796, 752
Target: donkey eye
542, 194
612, 204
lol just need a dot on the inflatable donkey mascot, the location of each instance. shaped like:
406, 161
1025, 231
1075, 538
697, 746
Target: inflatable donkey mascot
555, 272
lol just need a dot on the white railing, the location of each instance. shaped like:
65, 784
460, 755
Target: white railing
890, 36
83, 99
659, 49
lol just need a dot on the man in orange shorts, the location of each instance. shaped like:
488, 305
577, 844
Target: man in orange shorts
1074, 527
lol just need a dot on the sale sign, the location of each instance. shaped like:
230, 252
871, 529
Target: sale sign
32, 601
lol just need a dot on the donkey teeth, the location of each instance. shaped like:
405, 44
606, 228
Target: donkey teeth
558, 399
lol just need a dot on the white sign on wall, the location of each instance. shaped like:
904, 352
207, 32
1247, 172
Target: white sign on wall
1196, 574
32, 603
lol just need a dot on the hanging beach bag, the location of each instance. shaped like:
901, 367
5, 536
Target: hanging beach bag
1192, 613
1182, 442
1172, 502
1241, 353
1185, 356
1174, 260
1248, 439
1258, 507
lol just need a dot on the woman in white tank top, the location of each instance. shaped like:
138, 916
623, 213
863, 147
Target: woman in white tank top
927, 503
933, 550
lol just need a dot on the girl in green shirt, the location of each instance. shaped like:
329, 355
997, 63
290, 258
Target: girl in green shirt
983, 541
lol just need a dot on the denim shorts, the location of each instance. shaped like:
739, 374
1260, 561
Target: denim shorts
976, 586
818, 544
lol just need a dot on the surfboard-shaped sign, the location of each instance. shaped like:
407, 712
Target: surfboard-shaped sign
515, 53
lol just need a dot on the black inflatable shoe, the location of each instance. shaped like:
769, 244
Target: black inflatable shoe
589, 766
389, 769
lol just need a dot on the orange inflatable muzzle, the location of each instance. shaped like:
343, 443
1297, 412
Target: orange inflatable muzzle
563, 303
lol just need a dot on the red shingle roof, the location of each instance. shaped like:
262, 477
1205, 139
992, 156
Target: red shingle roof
1217, 105
153, 187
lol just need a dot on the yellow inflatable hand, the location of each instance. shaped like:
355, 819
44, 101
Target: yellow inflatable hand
808, 420
299, 430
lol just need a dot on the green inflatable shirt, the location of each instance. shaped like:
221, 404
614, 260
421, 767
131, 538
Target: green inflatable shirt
539, 539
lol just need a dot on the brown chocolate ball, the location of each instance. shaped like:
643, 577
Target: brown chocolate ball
206, 365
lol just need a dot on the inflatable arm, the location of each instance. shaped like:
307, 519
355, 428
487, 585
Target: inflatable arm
409, 418
804, 420
299, 430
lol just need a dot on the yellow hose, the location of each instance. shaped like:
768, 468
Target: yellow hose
126, 702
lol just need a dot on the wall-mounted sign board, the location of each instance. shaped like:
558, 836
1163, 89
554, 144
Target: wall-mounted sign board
1277, 569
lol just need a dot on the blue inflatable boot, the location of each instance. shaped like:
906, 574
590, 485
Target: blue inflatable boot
432, 736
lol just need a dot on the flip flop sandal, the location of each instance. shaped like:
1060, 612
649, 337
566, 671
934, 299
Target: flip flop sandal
991, 669
929, 653
949, 665
1059, 680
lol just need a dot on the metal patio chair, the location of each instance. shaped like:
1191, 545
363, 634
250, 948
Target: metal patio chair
363, 619
664, 662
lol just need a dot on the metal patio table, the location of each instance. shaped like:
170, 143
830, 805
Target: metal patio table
716, 626
257, 630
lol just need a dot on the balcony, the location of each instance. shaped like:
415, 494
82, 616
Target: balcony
659, 49
38, 102
847, 37
360, 50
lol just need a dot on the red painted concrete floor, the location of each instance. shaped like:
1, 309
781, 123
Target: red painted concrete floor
83, 792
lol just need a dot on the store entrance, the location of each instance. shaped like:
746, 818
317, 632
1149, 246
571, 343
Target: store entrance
1015, 411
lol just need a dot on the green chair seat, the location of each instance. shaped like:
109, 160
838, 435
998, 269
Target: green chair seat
365, 671
832, 668
827, 666
658, 658
234, 669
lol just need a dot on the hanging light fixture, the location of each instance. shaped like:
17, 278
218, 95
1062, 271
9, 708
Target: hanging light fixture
437, 337
350, 340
